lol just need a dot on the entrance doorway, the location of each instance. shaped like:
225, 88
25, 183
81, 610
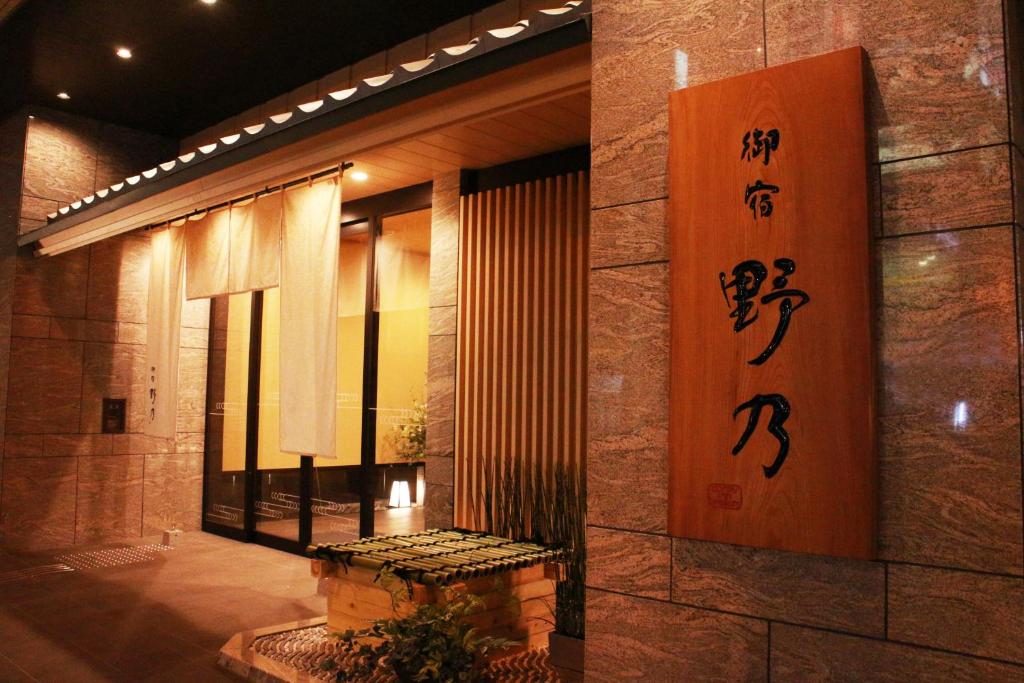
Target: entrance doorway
375, 482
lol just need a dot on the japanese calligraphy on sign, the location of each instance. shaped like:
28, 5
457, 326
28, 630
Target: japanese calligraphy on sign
771, 434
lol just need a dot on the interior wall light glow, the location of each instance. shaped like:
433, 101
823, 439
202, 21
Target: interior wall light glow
360, 176
63, 96
209, 2
123, 53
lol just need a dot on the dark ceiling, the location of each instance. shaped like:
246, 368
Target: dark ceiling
194, 64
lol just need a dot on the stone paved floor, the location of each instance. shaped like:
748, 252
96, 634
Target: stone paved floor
163, 619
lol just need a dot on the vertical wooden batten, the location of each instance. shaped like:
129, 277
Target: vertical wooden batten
521, 368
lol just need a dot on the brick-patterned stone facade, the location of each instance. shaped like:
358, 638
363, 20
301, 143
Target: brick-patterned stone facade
74, 328
945, 600
444, 269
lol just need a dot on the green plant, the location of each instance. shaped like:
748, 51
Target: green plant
553, 511
434, 643
410, 437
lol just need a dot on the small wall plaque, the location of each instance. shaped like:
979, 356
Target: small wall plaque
114, 410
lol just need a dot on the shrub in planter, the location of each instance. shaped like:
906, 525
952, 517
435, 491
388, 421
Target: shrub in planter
434, 643
550, 511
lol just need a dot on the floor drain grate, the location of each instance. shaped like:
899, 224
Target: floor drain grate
33, 572
112, 557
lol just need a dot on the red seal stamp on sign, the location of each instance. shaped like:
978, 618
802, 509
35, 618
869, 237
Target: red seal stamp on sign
725, 496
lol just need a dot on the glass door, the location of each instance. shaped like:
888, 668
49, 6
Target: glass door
402, 306
278, 481
336, 497
374, 482
227, 388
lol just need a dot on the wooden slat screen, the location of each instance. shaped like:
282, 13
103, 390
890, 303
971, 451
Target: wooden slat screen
521, 383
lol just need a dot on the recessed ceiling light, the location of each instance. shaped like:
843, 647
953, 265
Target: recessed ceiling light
123, 53
209, 2
359, 175
63, 96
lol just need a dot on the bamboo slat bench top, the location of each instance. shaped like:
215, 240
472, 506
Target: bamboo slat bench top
438, 556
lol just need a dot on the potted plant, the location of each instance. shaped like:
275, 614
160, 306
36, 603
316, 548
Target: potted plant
433, 643
410, 437
528, 508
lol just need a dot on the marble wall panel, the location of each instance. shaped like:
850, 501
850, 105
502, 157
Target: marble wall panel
629, 234
950, 477
630, 638
641, 52
444, 240
125, 444
83, 330
189, 442
802, 654
110, 372
950, 480
1015, 67
119, 279
38, 511
60, 157
191, 416
961, 611
439, 508
44, 386
131, 333
627, 464
441, 395
137, 394
96, 295
196, 314
841, 594
37, 208
77, 444
628, 562
123, 152
12, 140
930, 193
194, 338
30, 326
23, 445
109, 501
53, 286
938, 78
1018, 185
440, 470
172, 492
442, 320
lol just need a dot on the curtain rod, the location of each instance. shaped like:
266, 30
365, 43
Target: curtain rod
253, 195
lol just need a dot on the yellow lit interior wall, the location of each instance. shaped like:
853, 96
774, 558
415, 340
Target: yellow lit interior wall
404, 275
236, 381
403, 268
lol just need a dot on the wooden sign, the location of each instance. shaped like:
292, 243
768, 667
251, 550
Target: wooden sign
772, 433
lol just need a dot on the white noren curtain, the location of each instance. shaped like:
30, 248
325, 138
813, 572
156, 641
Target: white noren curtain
309, 322
163, 329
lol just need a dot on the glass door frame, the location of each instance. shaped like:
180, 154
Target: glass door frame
370, 211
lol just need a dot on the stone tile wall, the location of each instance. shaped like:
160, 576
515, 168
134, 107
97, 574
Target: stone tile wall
945, 599
76, 336
70, 157
444, 275
12, 146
